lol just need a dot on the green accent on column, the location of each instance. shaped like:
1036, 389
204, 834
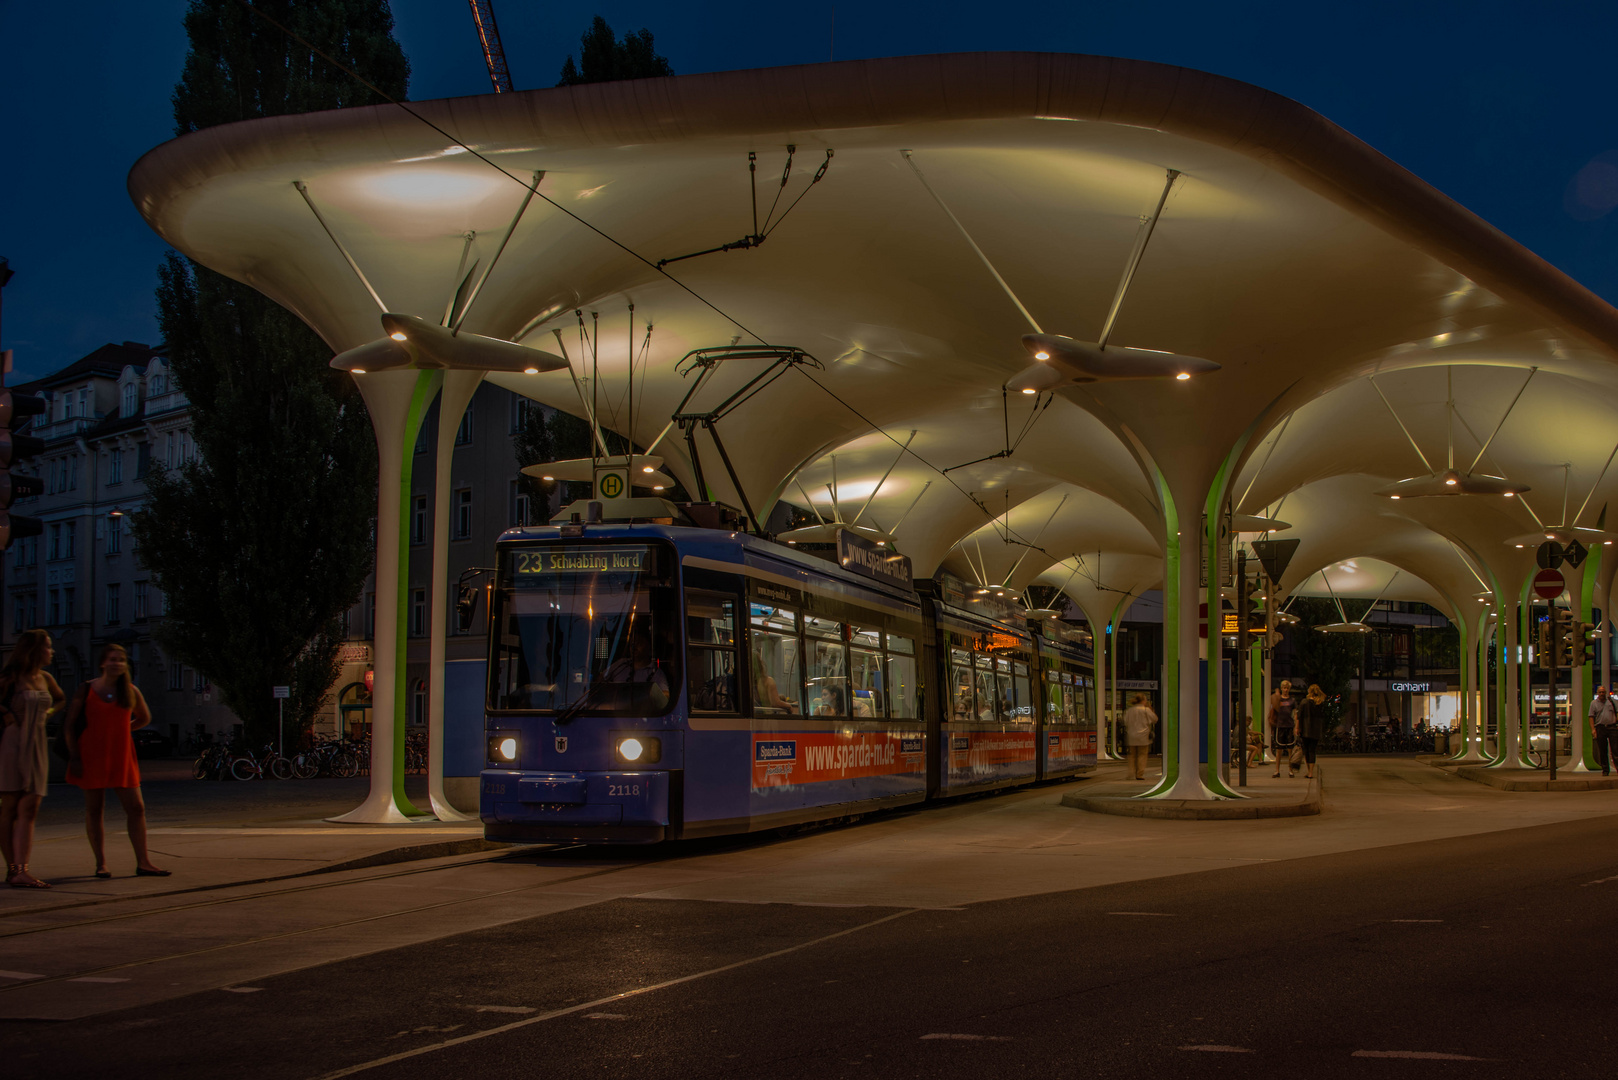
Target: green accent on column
1171, 641
1498, 754
1218, 702
1112, 675
1468, 659
1255, 685
1579, 710
427, 387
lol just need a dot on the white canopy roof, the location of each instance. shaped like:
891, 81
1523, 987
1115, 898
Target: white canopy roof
1288, 252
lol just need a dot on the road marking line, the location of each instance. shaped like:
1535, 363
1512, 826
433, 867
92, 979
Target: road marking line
1214, 1048
241, 989
521, 1009
606, 1016
968, 1038
19, 975
610, 999
1418, 1055
1157, 914
1415, 920
94, 979
1600, 881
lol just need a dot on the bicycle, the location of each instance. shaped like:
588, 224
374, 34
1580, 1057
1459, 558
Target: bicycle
213, 763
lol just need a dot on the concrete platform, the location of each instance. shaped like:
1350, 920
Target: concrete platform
1267, 797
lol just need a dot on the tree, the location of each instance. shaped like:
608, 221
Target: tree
263, 542
1330, 660
603, 58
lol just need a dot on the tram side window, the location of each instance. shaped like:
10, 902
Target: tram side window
902, 690
1022, 698
777, 672
827, 667
988, 691
865, 671
710, 634
1081, 700
960, 685
1058, 697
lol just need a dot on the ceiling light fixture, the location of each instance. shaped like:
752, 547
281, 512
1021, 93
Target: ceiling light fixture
357, 370
1451, 481
399, 335
1183, 376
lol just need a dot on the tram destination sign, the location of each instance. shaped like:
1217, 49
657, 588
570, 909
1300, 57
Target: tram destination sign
865, 558
581, 560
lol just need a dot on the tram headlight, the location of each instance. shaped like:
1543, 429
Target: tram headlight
639, 749
503, 749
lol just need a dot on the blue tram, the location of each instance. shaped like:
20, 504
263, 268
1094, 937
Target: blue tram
652, 682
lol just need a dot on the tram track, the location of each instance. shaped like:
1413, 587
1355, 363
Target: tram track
338, 925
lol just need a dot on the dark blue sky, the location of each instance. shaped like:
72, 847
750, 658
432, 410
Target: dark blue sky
1508, 108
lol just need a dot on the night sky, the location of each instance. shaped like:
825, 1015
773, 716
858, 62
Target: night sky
1506, 107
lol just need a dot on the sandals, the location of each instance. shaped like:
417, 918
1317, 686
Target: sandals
103, 873
18, 877
141, 871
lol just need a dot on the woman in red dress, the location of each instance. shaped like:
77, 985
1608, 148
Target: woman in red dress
105, 710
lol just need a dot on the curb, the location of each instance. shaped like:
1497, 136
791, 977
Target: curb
1527, 780
1196, 810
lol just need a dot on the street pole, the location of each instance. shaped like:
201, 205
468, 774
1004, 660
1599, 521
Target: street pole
1556, 648
1242, 703
281, 726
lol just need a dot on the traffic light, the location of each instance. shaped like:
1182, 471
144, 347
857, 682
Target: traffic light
1590, 639
1542, 644
1567, 636
16, 410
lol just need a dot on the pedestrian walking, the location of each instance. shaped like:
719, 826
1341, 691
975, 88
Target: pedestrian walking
1139, 723
1283, 730
1604, 723
1311, 718
27, 696
104, 712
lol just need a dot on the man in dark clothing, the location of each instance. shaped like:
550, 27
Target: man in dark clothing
1604, 722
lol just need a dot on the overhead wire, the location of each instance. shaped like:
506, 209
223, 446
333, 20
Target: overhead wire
614, 241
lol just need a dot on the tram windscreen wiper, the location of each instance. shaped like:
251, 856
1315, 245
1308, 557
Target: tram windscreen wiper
567, 714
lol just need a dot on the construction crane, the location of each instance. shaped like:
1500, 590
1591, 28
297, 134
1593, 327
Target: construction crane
489, 36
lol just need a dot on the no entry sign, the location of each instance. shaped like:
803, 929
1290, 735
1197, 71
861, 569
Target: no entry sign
1548, 584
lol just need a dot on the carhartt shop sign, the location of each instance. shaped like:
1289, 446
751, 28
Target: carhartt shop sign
865, 558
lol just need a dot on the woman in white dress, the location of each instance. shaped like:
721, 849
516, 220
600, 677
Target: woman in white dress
27, 696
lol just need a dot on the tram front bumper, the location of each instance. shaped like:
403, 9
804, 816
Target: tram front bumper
575, 806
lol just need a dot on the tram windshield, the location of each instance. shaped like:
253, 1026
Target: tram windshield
585, 629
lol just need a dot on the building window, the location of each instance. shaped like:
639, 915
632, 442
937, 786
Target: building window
115, 467
131, 399
463, 434
521, 409
54, 551
158, 385
176, 676
418, 612
140, 600
463, 514
70, 539
33, 609
169, 460
68, 605
418, 705
73, 473
84, 404
519, 504
370, 614
418, 519
114, 603
55, 608
143, 459
198, 683
115, 534
19, 610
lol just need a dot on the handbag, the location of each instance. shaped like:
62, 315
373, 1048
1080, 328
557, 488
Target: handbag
1295, 758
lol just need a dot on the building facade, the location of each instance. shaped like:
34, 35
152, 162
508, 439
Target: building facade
112, 417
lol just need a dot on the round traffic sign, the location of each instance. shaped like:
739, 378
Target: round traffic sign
1549, 584
1549, 555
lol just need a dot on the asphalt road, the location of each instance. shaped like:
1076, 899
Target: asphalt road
1495, 951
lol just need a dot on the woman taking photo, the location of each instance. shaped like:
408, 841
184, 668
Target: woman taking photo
104, 712
27, 695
